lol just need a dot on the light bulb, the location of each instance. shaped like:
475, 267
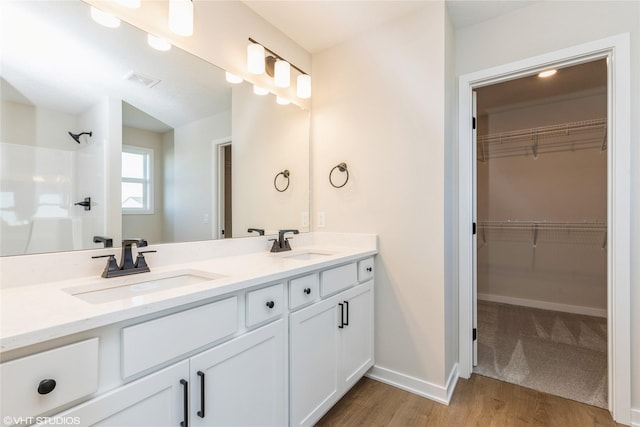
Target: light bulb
282, 73
303, 88
181, 17
158, 43
255, 58
282, 101
547, 73
131, 4
104, 18
260, 90
232, 78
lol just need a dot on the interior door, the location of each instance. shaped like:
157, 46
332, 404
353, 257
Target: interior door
474, 204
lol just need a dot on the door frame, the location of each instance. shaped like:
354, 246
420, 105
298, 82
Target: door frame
217, 178
617, 51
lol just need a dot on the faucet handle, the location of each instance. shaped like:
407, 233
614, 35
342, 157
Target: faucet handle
140, 261
112, 264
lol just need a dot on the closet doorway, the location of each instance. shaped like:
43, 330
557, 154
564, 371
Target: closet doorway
541, 176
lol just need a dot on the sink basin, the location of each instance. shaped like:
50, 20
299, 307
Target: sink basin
130, 287
308, 256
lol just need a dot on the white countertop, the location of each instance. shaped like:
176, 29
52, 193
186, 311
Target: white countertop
38, 312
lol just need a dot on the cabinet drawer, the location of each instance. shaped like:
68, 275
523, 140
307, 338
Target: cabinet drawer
365, 270
39, 383
303, 290
264, 304
337, 279
151, 343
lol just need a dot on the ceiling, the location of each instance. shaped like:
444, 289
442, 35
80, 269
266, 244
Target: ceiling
319, 24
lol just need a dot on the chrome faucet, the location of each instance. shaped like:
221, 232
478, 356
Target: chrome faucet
127, 265
281, 244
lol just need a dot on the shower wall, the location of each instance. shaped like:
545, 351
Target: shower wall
43, 173
568, 186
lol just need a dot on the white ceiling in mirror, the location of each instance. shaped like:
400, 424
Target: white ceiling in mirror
97, 64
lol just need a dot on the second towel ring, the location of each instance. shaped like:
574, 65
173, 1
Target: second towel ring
342, 167
285, 173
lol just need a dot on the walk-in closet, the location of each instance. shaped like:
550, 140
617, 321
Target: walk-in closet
541, 188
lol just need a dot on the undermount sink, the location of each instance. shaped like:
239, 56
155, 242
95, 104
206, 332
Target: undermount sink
130, 287
308, 255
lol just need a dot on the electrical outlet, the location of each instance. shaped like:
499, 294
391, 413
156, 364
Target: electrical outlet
304, 219
321, 220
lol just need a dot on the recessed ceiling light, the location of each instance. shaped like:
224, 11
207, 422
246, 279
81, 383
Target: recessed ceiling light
547, 73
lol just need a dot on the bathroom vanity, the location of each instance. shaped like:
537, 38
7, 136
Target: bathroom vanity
255, 338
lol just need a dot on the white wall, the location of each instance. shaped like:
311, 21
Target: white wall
378, 105
195, 186
261, 151
518, 35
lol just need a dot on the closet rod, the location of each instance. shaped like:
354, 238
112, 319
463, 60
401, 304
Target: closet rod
582, 233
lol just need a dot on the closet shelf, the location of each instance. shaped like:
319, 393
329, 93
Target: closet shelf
589, 233
571, 136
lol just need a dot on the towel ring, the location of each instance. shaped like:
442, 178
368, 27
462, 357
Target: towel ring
342, 167
284, 173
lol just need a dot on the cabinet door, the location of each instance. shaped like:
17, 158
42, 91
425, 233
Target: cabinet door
313, 361
244, 381
156, 400
356, 338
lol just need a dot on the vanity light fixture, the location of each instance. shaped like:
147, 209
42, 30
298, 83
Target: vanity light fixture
181, 17
282, 101
232, 78
158, 43
547, 73
277, 67
103, 18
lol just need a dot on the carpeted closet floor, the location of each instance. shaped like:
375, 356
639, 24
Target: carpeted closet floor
558, 353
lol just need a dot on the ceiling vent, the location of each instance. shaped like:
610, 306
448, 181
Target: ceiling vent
140, 79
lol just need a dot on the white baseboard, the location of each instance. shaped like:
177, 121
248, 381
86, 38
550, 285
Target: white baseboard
635, 417
417, 386
567, 308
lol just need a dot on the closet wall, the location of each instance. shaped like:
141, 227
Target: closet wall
542, 218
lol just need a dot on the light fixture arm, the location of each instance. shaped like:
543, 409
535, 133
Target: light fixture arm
278, 56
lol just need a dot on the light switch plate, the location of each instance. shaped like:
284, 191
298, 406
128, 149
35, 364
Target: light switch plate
321, 220
304, 219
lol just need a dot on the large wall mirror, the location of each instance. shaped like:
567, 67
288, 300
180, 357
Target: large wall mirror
175, 153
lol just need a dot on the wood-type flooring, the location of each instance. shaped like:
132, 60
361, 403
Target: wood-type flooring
479, 401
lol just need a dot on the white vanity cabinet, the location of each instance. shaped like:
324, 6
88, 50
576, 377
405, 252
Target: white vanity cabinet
157, 400
242, 382
331, 347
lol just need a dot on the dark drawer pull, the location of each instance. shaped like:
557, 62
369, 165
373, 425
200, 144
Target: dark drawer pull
341, 325
201, 411
271, 304
307, 291
185, 423
369, 269
46, 386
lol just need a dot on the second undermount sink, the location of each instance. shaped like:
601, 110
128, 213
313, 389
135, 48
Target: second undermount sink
308, 255
128, 287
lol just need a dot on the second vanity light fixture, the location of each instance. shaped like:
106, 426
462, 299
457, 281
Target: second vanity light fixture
277, 67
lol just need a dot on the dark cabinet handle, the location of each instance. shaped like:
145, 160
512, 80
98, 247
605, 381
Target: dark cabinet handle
341, 325
369, 269
307, 291
46, 386
201, 411
346, 305
185, 423
271, 304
